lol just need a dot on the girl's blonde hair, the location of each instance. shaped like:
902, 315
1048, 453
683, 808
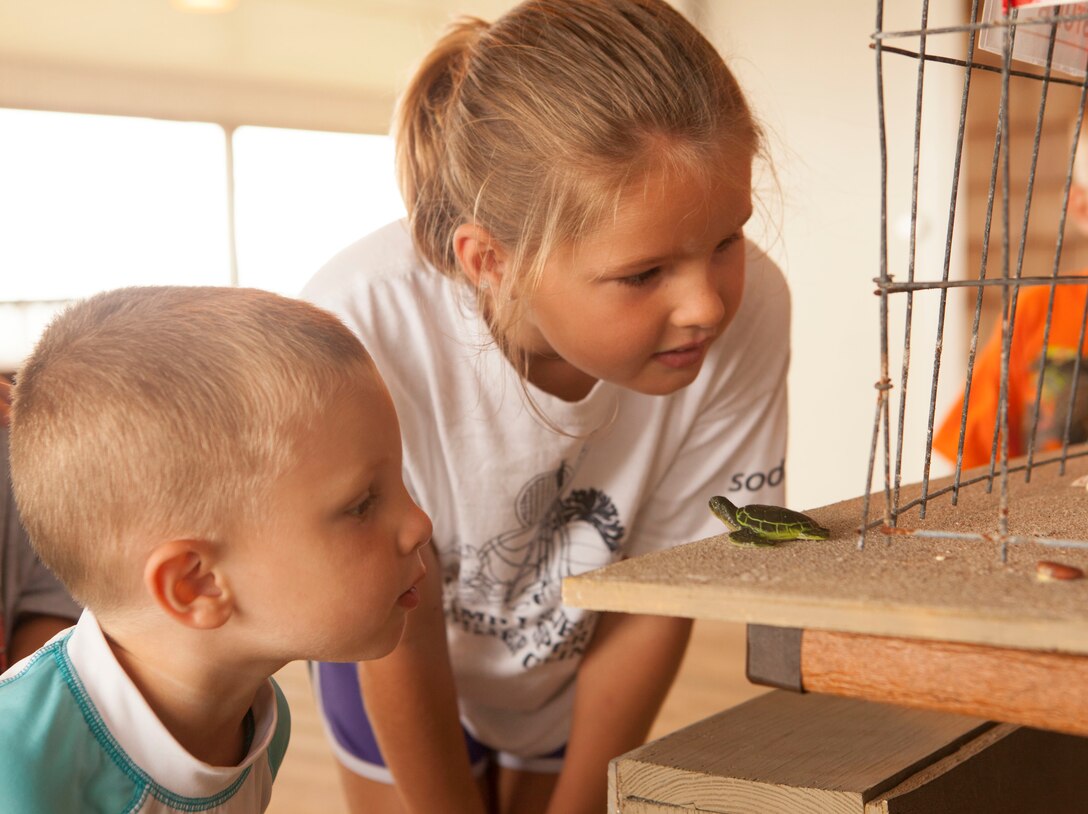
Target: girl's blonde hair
148, 414
532, 127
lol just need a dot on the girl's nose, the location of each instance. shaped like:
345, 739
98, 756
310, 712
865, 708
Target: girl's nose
700, 304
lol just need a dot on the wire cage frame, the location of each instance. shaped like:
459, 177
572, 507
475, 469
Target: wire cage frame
1008, 278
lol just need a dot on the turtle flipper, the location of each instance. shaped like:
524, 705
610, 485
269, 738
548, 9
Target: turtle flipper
749, 539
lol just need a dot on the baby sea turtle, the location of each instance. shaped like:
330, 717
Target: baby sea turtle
757, 525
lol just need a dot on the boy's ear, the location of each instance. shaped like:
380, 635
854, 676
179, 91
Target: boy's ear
183, 580
482, 259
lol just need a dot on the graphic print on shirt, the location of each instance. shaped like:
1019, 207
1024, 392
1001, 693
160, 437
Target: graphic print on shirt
510, 586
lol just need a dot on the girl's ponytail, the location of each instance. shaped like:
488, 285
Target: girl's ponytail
420, 133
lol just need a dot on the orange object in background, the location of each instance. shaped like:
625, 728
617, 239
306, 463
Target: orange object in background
1026, 360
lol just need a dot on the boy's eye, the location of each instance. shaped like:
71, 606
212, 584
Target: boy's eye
361, 508
641, 278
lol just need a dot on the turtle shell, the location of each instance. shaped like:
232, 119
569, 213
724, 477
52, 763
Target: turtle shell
776, 522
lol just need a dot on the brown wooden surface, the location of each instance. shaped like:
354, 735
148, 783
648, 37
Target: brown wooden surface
788, 752
944, 590
1005, 770
1047, 690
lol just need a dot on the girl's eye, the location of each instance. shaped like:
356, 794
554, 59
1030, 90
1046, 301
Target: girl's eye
361, 508
641, 278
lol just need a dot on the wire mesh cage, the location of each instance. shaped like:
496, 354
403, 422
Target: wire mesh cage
1020, 73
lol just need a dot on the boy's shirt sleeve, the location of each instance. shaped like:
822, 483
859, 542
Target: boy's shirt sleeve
62, 752
43, 739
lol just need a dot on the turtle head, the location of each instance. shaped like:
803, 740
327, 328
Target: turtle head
724, 510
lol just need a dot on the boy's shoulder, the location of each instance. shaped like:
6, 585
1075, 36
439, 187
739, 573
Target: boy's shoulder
34, 700
46, 745
75, 738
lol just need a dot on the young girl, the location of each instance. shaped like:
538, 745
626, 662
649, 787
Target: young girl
582, 349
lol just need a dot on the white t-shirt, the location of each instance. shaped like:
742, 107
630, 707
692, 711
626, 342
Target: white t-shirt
517, 506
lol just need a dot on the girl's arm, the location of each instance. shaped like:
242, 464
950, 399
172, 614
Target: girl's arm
412, 704
621, 684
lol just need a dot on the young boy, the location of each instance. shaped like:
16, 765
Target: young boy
215, 474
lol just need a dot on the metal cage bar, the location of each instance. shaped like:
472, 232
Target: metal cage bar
1010, 280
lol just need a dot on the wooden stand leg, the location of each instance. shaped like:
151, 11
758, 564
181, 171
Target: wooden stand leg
1031, 688
1046, 690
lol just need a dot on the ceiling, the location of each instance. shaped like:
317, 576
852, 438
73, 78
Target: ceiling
285, 62
333, 43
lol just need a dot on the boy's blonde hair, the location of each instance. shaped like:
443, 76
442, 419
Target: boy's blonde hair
147, 414
534, 126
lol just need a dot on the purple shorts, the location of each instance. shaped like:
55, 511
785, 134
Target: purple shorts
340, 704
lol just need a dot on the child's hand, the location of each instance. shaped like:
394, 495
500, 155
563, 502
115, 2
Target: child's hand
5, 402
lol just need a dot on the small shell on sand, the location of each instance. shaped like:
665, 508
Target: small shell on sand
1047, 571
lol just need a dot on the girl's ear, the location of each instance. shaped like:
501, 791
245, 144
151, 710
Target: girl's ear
182, 579
482, 259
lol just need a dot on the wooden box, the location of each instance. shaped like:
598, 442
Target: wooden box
797, 753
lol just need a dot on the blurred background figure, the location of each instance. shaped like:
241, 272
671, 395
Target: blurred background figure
33, 604
1046, 362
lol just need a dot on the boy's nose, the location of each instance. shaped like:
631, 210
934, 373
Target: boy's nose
417, 530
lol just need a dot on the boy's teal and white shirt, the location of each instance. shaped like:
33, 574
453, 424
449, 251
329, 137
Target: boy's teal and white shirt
76, 735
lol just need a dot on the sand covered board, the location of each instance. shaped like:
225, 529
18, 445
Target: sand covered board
942, 589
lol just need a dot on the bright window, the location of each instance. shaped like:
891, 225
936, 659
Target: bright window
89, 203
302, 196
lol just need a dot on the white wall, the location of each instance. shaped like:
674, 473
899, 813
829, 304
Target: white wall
810, 75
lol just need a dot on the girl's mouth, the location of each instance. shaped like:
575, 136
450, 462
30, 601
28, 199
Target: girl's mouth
683, 356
